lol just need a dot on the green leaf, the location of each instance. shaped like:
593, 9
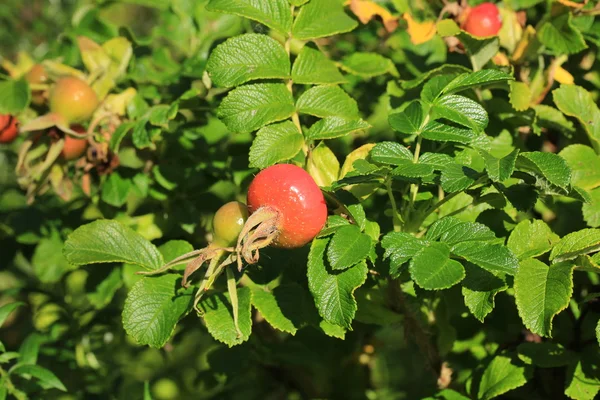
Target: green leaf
327, 101
548, 166
456, 177
577, 102
347, 247
558, 35
584, 164
461, 110
519, 95
541, 292
551, 118
368, 65
489, 256
119, 134
332, 330
115, 190
14, 96
153, 307
314, 68
218, 316
105, 290
575, 244
275, 14
408, 169
49, 264
275, 143
250, 107
480, 50
400, 247
47, 379
107, 241
581, 385
323, 165
503, 374
441, 132
479, 288
409, 120
545, 354
474, 79
432, 269
531, 238
322, 18
598, 332
452, 231
248, 57
500, 169
7, 309
334, 127
285, 308
333, 291
390, 153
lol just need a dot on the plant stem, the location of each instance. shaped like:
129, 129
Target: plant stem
396, 218
10, 387
232, 289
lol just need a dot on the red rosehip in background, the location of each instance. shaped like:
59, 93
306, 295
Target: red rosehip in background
483, 20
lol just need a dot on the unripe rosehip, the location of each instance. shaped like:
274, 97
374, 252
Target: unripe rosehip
73, 99
74, 147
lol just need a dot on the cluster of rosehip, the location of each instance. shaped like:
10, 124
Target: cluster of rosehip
71, 102
285, 209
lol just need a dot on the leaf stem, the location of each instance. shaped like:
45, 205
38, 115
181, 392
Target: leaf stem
232, 289
396, 218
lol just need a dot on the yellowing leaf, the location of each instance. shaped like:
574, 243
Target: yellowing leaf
563, 76
501, 59
20, 68
365, 10
420, 32
572, 4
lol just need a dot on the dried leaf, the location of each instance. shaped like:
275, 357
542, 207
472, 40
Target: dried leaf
366, 10
420, 32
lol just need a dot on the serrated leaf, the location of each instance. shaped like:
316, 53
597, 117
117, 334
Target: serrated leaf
390, 153
519, 95
285, 308
334, 127
550, 117
545, 354
479, 288
584, 164
333, 330
218, 316
275, 14
558, 35
434, 87
581, 385
400, 247
333, 291
503, 374
322, 18
347, 247
451, 231
541, 292
327, 101
492, 257
409, 120
368, 65
408, 169
14, 96
247, 57
432, 269
250, 107
500, 169
314, 68
456, 177
105, 241
548, 166
477, 78
275, 143
480, 50
461, 110
591, 209
153, 307
441, 132
104, 292
531, 238
577, 102
575, 244
46, 377
7, 309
